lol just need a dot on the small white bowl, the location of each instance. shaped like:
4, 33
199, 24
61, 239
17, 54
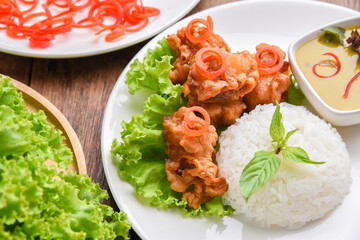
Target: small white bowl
333, 116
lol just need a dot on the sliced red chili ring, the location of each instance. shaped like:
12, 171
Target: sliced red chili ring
208, 23
33, 3
138, 27
91, 23
64, 28
115, 33
277, 62
38, 44
13, 32
48, 14
31, 16
338, 66
129, 9
6, 23
149, 12
38, 36
273, 61
208, 54
188, 122
98, 11
60, 3
112, 3
75, 7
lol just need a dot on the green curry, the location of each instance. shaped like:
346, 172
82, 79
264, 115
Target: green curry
329, 66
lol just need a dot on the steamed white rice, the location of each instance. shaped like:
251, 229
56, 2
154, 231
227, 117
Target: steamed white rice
298, 193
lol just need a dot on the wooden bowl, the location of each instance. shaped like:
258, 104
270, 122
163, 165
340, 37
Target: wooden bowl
34, 102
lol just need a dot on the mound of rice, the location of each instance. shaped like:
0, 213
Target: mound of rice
298, 193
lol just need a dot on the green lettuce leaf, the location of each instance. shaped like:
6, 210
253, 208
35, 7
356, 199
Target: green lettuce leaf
37, 202
153, 72
142, 150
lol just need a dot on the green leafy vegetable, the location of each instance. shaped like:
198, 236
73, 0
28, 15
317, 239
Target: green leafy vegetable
277, 130
297, 154
295, 95
142, 150
258, 172
153, 73
266, 163
37, 202
334, 34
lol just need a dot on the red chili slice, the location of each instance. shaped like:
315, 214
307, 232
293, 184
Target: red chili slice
268, 50
129, 9
31, 16
22, 24
208, 23
75, 7
87, 23
348, 86
210, 54
40, 40
13, 32
138, 27
6, 23
115, 34
191, 122
33, 3
277, 62
338, 65
148, 12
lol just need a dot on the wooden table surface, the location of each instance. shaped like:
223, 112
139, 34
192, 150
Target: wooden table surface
80, 89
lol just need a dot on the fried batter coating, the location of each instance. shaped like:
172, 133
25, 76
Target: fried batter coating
222, 96
270, 88
190, 161
185, 50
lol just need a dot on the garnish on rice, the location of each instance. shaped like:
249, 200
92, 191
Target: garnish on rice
266, 163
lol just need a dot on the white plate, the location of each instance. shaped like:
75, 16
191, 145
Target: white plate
243, 25
83, 42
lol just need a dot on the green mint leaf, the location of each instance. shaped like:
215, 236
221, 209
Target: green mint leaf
295, 95
277, 130
288, 135
334, 34
297, 154
258, 172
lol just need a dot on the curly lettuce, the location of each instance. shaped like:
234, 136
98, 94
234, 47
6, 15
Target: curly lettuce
37, 202
142, 149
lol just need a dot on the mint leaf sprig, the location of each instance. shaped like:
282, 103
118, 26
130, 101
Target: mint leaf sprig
266, 163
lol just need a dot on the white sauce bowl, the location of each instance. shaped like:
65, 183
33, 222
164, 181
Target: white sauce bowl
333, 116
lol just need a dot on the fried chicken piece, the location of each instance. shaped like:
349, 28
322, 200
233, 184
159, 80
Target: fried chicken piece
191, 161
270, 88
185, 50
223, 96
222, 113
